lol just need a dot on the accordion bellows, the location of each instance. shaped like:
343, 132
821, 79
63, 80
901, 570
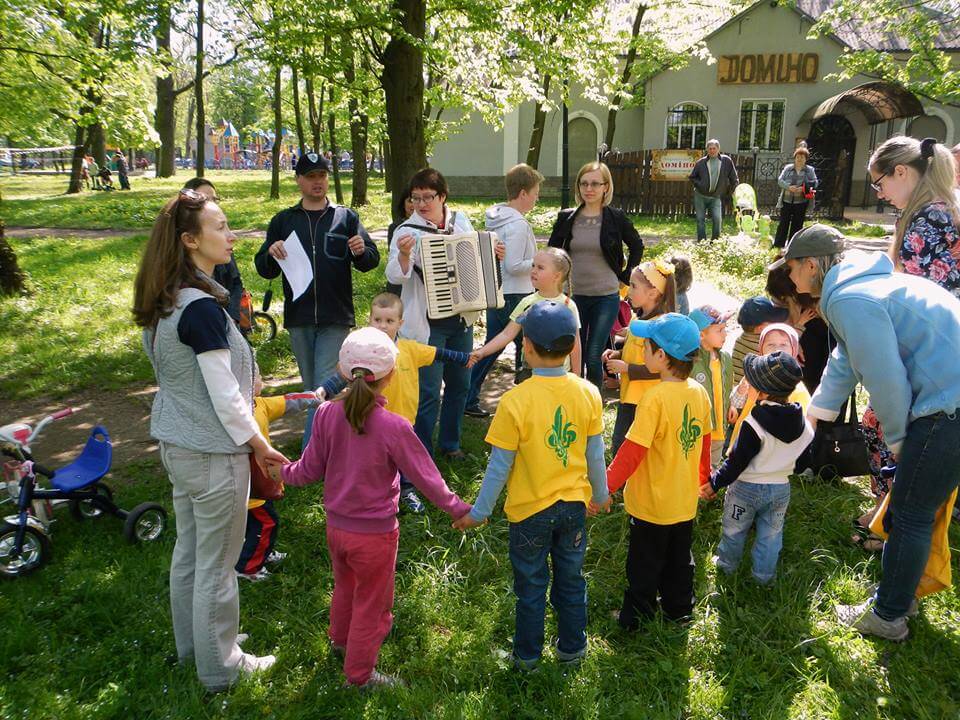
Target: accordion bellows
461, 273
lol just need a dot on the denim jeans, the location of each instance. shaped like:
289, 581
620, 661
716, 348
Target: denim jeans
928, 470
453, 334
497, 320
317, 349
558, 532
746, 504
702, 203
598, 313
210, 505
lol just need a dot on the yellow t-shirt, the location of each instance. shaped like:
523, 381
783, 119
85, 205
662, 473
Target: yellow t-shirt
536, 297
403, 392
547, 421
671, 422
801, 395
632, 353
265, 411
718, 420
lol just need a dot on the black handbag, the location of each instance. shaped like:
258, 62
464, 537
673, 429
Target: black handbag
839, 449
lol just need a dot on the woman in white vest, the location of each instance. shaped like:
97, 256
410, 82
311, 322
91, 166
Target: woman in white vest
202, 416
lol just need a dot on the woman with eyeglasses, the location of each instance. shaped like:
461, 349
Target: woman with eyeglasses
203, 417
428, 192
594, 234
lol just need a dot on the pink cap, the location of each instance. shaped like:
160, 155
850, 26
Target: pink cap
787, 330
370, 350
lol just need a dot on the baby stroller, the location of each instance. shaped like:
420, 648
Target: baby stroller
745, 208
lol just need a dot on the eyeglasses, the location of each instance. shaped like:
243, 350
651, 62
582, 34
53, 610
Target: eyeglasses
591, 185
878, 185
424, 199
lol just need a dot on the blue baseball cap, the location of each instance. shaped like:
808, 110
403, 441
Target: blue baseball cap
707, 315
758, 310
549, 324
677, 334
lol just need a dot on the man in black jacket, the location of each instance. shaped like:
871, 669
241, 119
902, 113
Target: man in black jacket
714, 177
334, 240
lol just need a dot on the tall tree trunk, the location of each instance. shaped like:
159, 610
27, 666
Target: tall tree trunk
186, 143
98, 143
164, 120
334, 150
358, 132
301, 140
277, 134
402, 82
12, 279
78, 143
539, 122
198, 94
624, 77
314, 115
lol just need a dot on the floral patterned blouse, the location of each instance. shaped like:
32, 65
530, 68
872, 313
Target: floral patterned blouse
931, 247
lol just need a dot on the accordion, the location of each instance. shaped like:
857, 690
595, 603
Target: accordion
461, 273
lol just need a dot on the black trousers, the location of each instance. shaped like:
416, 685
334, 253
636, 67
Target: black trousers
659, 560
792, 216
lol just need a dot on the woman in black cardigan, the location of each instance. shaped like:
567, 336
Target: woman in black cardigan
594, 234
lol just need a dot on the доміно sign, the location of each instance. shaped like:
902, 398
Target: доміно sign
768, 69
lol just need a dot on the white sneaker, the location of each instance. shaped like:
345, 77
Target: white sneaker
250, 664
275, 557
380, 680
242, 638
258, 576
862, 617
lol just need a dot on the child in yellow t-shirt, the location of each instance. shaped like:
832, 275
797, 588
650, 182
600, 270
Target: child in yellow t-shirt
547, 438
713, 369
652, 293
403, 392
263, 523
663, 461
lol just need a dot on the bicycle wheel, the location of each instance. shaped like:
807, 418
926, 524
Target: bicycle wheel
264, 328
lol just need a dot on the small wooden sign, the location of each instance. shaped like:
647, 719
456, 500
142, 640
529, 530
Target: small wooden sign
673, 164
768, 69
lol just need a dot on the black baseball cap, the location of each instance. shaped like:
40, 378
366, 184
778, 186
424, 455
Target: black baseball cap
311, 162
815, 241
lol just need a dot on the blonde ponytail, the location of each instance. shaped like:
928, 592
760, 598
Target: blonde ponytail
359, 398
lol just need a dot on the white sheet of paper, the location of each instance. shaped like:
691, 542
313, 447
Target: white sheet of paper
296, 266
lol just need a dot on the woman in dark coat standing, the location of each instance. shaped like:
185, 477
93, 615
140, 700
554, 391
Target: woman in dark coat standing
594, 234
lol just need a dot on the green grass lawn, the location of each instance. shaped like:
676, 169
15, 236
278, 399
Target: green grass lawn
88, 635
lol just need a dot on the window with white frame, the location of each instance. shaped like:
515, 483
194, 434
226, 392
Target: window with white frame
686, 126
761, 125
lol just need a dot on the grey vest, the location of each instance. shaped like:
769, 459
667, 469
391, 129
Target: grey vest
183, 413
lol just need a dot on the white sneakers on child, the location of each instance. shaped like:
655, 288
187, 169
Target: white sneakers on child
380, 680
275, 558
258, 576
250, 664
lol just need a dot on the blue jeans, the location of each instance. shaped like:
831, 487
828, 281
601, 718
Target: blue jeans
928, 470
497, 320
317, 350
702, 203
598, 313
744, 505
453, 334
559, 532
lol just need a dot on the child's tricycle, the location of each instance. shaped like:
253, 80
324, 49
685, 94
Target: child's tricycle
25, 537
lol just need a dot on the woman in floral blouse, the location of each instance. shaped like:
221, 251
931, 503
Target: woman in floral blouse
918, 178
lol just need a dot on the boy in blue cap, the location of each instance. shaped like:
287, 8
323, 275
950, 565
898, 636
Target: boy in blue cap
663, 461
547, 438
713, 368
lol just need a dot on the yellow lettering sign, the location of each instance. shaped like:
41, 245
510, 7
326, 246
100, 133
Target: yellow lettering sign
768, 69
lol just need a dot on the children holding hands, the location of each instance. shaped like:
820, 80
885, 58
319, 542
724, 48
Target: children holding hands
356, 448
547, 448
663, 460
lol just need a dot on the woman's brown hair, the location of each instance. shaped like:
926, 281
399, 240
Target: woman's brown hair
166, 266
